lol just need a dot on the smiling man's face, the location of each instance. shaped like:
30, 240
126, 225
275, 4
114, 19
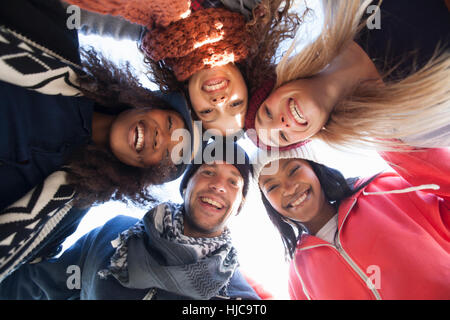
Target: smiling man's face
213, 195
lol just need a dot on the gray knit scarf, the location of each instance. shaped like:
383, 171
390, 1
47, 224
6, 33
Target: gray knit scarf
154, 253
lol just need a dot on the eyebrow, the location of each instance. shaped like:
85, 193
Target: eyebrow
267, 181
234, 173
286, 164
282, 168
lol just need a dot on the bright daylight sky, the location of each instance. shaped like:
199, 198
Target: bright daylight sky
259, 246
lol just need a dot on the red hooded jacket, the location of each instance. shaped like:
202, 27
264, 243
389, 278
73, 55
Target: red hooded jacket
393, 241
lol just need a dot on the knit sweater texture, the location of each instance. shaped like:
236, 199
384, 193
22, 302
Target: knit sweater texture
186, 42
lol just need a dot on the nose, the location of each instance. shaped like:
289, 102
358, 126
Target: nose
283, 121
217, 185
219, 99
289, 188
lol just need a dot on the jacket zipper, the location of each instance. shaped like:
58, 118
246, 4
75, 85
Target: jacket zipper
345, 256
357, 270
349, 260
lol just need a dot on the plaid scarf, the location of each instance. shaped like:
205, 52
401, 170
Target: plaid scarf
154, 253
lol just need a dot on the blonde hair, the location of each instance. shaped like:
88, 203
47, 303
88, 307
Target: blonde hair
376, 113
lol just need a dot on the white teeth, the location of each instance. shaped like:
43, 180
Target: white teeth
139, 138
215, 86
300, 199
296, 113
212, 202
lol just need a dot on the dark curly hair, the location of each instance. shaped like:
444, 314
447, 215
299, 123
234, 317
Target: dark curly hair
96, 174
271, 24
336, 188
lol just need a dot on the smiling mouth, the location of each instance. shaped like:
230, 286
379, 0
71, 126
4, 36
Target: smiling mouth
215, 85
139, 140
301, 198
295, 111
211, 202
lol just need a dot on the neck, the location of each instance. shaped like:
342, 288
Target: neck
101, 127
192, 231
344, 73
326, 213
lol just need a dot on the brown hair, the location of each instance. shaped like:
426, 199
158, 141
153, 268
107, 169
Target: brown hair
375, 114
96, 174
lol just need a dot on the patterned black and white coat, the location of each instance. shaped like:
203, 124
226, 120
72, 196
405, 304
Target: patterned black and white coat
39, 52
41, 57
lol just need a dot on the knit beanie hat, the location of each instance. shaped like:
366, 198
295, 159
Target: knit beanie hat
185, 42
261, 158
147, 13
255, 102
229, 152
207, 38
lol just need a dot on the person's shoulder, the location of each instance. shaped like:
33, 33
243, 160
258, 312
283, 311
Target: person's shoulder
121, 221
113, 227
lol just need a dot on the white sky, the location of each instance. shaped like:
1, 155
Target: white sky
259, 245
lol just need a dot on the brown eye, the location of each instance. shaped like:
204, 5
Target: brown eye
268, 112
170, 123
294, 170
236, 103
271, 188
207, 172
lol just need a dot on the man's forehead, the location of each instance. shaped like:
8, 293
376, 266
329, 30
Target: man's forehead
223, 165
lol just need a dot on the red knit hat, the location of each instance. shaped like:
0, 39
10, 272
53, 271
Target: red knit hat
207, 38
147, 13
257, 98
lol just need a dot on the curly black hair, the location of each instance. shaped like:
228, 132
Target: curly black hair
95, 173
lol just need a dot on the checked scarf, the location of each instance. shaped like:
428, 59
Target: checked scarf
154, 253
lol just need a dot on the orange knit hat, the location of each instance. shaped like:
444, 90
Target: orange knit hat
203, 40
148, 13
207, 38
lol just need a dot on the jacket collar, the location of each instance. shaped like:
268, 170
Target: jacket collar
309, 241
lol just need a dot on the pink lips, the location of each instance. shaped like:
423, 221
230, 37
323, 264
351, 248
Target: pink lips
210, 206
214, 85
304, 195
291, 116
133, 135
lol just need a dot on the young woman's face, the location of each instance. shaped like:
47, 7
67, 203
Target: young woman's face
292, 113
213, 194
293, 190
142, 137
219, 98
